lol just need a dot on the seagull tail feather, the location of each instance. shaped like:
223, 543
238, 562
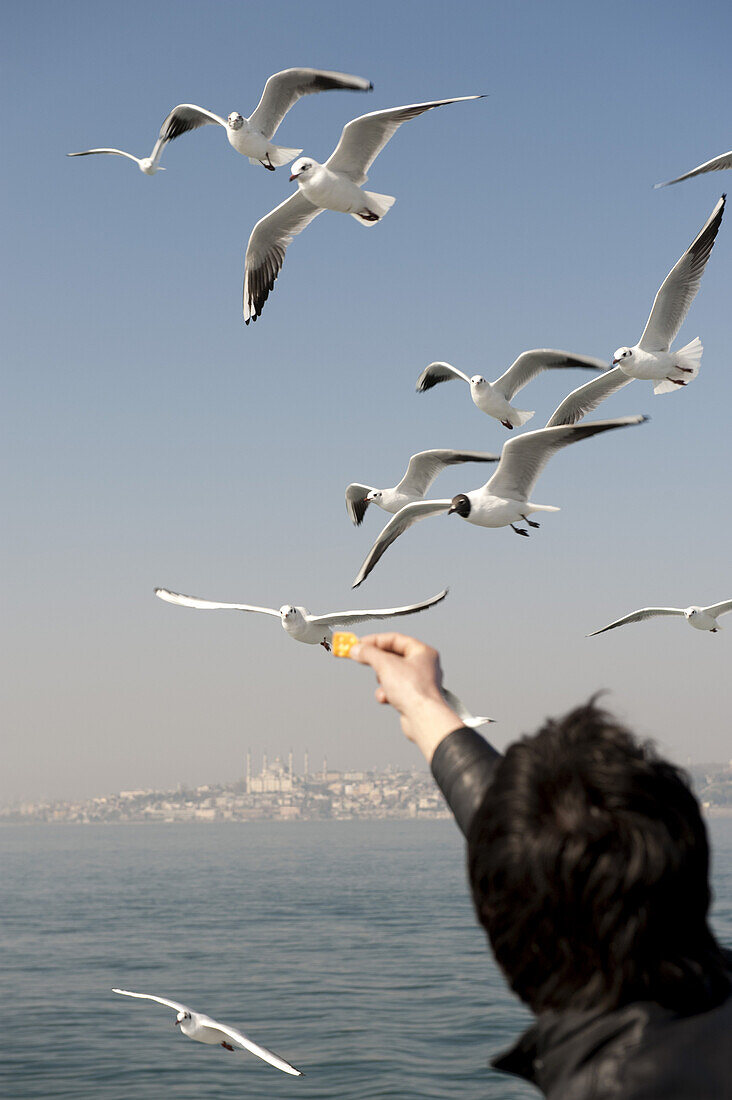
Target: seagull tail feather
280, 155
689, 358
377, 204
520, 416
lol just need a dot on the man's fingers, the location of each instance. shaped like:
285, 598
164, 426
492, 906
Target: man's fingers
400, 644
381, 695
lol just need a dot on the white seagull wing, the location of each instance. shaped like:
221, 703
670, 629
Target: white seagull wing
424, 467
587, 397
405, 517
348, 618
149, 997
679, 288
283, 90
531, 363
716, 164
718, 608
438, 372
356, 503
462, 711
185, 117
363, 138
266, 249
639, 616
114, 152
524, 457
241, 1040
209, 605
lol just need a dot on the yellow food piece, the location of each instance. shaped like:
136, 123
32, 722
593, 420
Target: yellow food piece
342, 643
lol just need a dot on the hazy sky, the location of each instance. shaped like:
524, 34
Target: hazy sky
150, 438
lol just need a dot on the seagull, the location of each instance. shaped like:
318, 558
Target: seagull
253, 136
494, 398
205, 1030
335, 185
651, 358
716, 164
147, 165
468, 719
298, 622
504, 500
701, 618
422, 470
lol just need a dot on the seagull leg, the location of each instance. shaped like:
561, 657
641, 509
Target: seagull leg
325, 645
368, 215
677, 381
267, 164
519, 530
686, 370
531, 522
714, 630
507, 424
227, 1046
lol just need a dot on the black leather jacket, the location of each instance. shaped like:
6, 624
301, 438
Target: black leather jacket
639, 1052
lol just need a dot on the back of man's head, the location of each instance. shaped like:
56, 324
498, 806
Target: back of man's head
589, 867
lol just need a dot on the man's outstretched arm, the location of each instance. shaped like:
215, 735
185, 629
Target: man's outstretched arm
410, 677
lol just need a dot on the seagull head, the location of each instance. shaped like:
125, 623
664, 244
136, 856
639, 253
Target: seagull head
477, 380
372, 496
461, 505
301, 167
235, 120
692, 612
181, 1018
288, 613
622, 353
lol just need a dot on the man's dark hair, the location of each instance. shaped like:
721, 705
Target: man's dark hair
589, 865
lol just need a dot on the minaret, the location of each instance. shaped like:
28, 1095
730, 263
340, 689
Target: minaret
248, 778
290, 767
264, 762
325, 767
306, 765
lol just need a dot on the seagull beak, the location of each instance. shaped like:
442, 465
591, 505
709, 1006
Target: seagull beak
176, 1023
615, 362
451, 509
293, 177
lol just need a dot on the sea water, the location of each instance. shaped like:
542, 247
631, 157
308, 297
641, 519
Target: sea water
349, 948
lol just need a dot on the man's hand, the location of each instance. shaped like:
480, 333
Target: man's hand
410, 678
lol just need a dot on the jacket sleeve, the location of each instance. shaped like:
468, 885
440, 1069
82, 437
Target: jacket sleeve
463, 767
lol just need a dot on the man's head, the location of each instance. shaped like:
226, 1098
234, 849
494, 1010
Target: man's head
589, 868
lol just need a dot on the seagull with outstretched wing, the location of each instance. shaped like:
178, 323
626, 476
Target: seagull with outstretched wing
716, 164
298, 622
651, 358
504, 500
205, 1030
701, 618
252, 137
336, 185
494, 398
422, 470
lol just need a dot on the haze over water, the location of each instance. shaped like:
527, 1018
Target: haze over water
349, 948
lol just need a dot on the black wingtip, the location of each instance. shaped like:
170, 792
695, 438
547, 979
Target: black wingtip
371, 86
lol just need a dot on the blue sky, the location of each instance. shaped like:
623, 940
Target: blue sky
150, 438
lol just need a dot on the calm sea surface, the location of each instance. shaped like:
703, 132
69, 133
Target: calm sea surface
349, 948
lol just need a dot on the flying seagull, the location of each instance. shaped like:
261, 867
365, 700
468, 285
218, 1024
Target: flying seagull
298, 622
148, 165
701, 618
205, 1030
651, 358
504, 500
494, 398
335, 185
422, 470
716, 164
253, 136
